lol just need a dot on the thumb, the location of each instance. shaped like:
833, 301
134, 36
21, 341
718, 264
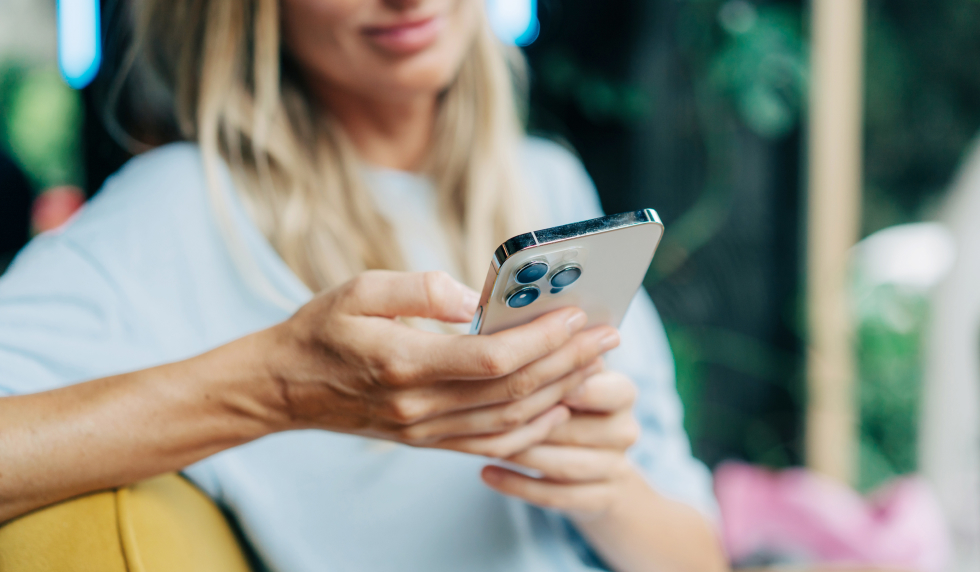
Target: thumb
390, 294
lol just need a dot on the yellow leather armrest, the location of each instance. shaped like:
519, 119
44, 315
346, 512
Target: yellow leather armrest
164, 524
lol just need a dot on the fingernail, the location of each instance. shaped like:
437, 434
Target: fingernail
609, 341
576, 321
492, 475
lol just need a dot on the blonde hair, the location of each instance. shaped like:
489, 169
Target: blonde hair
295, 169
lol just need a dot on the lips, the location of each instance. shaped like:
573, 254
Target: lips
407, 37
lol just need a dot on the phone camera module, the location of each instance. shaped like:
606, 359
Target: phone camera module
523, 296
532, 272
566, 276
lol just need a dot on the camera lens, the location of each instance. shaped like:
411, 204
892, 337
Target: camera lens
523, 296
566, 276
532, 272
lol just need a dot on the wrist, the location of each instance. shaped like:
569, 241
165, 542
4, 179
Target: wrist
624, 491
240, 383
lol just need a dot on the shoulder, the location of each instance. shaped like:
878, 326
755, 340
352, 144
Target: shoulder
139, 276
129, 238
558, 180
140, 212
147, 190
145, 216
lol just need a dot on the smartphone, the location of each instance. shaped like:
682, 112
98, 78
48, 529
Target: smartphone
596, 265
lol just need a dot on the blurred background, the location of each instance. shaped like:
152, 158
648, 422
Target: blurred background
697, 108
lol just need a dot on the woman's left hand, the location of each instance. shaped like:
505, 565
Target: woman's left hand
584, 472
583, 466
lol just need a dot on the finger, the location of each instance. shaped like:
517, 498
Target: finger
614, 431
496, 418
413, 357
512, 442
390, 294
505, 352
573, 464
604, 392
586, 498
580, 355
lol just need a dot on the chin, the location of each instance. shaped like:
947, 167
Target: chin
422, 82
420, 77
430, 71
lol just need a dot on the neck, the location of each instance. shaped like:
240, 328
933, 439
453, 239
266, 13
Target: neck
395, 134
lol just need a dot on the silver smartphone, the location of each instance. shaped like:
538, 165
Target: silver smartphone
596, 265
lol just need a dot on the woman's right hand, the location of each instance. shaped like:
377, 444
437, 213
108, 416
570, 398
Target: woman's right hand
345, 363
342, 363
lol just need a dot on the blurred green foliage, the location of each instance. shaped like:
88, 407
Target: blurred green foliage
40, 124
672, 104
696, 348
753, 68
922, 111
890, 327
749, 65
597, 96
763, 66
923, 104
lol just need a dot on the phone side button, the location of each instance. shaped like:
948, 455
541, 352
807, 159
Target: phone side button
475, 326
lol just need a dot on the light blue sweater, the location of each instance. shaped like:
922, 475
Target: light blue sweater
143, 276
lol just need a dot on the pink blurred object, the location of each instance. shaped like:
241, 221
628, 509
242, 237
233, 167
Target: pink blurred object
801, 517
55, 206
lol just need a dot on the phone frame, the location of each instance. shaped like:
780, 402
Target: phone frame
528, 241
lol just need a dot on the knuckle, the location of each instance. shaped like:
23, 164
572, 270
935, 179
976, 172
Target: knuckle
520, 385
513, 416
436, 285
359, 280
580, 360
413, 435
395, 370
355, 287
390, 374
584, 353
556, 338
494, 361
406, 410
436, 281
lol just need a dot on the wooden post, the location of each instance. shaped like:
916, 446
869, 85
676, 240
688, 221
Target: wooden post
835, 181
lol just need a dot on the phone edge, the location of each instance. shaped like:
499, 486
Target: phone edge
557, 234
569, 231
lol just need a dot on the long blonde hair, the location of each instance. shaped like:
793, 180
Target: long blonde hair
242, 100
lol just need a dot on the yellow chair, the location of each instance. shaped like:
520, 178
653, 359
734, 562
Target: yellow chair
164, 524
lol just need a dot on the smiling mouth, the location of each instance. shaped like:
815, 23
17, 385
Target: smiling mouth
406, 37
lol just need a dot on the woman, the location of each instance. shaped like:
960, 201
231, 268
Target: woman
372, 136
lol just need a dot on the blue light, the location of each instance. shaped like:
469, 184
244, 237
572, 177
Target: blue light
79, 41
514, 21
